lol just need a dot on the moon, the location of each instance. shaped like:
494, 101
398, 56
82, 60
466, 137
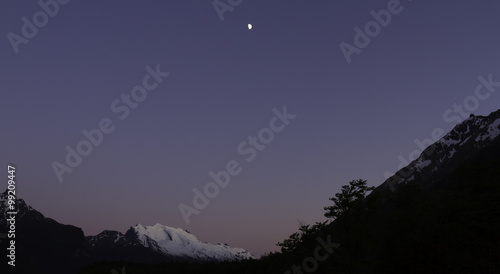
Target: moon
249, 26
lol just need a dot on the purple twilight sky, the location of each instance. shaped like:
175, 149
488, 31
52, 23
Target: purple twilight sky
354, 119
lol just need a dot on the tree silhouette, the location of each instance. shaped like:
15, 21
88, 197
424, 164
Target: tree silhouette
350, 197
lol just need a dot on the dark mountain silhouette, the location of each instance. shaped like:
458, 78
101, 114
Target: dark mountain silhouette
439, 214
46, 246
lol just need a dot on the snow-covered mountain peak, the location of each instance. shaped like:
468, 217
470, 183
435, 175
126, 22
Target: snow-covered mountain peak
483, 128
466, 139
476, 130
161, 233
181, 243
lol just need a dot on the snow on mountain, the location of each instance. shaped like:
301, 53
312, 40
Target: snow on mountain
466, 139
180, 243
20, 207
492, 133
478, 131
423, 164
171, 244
44, 239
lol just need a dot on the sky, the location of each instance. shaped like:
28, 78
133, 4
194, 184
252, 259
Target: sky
357, 109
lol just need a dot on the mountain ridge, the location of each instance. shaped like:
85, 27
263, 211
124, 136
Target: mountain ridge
463, 163
465, 139
40, 239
